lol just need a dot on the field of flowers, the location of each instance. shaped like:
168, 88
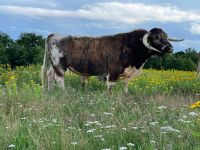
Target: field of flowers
156, 114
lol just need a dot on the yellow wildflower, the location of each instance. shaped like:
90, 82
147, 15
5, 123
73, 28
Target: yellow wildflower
196, 104
12, 77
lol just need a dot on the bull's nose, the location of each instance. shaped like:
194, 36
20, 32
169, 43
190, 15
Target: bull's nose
168, 49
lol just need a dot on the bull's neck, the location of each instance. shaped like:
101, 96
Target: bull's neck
139, 59
139, 54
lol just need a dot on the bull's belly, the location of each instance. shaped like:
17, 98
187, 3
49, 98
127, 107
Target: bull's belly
87, 71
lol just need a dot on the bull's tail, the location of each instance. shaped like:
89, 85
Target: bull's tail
45, 66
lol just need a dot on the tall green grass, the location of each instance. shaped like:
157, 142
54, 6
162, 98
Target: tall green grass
151, 116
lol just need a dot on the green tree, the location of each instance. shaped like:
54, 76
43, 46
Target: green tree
5, 44
181, 61
31, 47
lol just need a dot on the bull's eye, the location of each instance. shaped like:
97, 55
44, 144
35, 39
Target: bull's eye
164, 36
157, 36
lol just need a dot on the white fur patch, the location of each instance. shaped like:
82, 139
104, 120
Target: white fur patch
55, 54
130, 73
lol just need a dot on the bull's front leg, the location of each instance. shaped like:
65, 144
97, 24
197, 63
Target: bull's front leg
84, 81
128, 74
109, 84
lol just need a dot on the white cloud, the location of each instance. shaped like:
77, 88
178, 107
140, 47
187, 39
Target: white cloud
189, 43
195, 28
126, 13
47, 3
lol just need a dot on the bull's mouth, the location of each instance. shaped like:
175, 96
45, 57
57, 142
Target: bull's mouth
167, 49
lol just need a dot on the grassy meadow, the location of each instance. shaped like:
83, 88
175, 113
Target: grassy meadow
154, 115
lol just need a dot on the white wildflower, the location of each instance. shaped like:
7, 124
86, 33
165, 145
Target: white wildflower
107, 113
153, 123
11, 146
123, 148
185, 116
162, 107
168, 128
72, 128
98, 136
74, 143
29, 109
152, 142
49, 124
66, 130
93, 115
163, 132
184, 121
23, 118
192, 114
135, 128
40, 120
106, 149
92, 122
179, 136
131, 144
131, 124
143, 131
54, 120
124, 129
53, 142
98, 124
109, 126
90, 131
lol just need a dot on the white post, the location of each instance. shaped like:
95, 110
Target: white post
198, 67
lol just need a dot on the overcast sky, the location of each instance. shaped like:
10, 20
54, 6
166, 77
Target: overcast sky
179, 18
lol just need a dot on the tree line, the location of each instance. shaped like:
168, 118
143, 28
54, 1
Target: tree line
29, 48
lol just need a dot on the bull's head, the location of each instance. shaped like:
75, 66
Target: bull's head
157, 40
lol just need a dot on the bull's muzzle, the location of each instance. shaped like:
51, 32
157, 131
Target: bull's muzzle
167, 49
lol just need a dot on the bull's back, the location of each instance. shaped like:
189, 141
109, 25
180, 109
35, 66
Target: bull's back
85, 55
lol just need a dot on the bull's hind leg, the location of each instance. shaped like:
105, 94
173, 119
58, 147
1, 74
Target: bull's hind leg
60, 81
59, 75
51, 77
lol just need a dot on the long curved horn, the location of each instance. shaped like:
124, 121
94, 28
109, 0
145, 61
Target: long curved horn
175, 40
144, 40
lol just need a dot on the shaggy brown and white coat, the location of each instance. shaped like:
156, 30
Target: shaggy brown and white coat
114, 56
